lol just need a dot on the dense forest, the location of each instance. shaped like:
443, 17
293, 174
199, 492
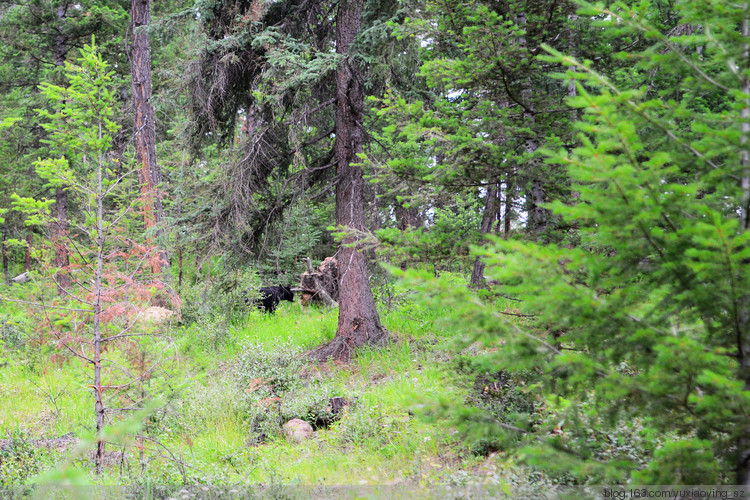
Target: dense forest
442, 247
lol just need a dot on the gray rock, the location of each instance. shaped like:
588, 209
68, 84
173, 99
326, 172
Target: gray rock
21, 278
297, 430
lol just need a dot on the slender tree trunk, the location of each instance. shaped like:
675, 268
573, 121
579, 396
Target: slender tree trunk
408, 217
27, 255
98, 399
145, 130
61, 39
99, 402
572, 92
59, 236
491, 206
359, 323
373, 222
60, 226
179, 275
6, 264
537, 214
507, 215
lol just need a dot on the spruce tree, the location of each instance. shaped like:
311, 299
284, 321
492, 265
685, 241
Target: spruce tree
489, 108
644, 327
304, 114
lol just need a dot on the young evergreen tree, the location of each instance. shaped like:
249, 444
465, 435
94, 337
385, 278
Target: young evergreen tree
490, 108
37, 36
106, 266
645, 326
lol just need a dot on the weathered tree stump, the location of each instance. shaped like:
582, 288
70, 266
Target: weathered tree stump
320, 286
337, 405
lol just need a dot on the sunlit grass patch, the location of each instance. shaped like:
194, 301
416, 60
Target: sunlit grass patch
305, 328
46, 401
225, 402
376, 433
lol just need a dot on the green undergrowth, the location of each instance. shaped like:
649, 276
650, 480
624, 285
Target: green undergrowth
238, 380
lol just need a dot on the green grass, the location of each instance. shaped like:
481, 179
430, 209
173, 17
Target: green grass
206, 415
44, 400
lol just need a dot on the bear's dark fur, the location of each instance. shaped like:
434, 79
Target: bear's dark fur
270, 296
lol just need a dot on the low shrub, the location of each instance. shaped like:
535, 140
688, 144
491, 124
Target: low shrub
19, 460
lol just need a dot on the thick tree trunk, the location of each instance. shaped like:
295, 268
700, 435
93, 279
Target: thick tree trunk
60, 226
145, 131
359, 323
491, 207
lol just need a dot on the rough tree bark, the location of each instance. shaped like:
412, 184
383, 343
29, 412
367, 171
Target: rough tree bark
149, 175
359, 323
60, 226
507, 216
491, 207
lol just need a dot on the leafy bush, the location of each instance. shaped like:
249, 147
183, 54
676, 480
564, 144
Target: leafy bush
264, 375
275, 390
311, 404
269, 371
19, 460
225, 296
500, 393
369, 423
11, 332
210, 334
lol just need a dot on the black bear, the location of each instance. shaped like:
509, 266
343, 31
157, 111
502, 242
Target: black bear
270, 296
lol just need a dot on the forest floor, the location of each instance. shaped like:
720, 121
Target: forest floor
222, 399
